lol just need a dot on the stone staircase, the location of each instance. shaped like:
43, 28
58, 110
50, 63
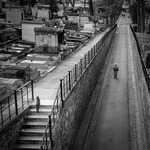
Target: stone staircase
32, 131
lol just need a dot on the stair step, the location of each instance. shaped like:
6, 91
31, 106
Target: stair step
27, 146
33, 124
42, 106
45, 103
37, 117
32, 132
30, 139
41, 111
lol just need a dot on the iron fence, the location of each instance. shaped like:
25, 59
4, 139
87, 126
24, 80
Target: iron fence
15, 102
66, 85
47, 142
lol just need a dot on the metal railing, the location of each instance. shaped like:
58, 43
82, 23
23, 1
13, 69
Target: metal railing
66, 85
146, 75
15, 102
47, 142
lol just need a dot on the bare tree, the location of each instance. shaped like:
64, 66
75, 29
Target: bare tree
137, 10
111, 7
0, 5
91, 7
142, 16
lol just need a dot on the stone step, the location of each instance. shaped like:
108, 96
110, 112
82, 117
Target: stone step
42, 106
44, 103
30, 139
33, 132
42, 111
27, 147
33, 124
37, 118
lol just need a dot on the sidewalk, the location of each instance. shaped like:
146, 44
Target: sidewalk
47, 87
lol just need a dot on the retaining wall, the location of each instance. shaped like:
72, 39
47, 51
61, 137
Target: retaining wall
77, 101
139, 121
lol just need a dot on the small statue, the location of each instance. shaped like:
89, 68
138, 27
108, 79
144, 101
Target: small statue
37, 103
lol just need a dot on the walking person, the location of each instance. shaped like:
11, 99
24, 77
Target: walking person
115, 69
37, 104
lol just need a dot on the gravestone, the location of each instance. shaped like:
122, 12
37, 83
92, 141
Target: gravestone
46, 40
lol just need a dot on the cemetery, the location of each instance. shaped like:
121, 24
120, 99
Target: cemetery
32, 43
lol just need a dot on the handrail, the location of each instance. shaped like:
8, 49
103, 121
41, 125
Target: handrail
52, 113
17, 100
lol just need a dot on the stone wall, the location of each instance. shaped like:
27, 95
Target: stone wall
77, 101
9, 133
139, 103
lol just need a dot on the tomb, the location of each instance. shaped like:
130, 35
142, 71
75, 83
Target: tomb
74, 17
11, 84
14, 14
21, 71
88, 29
83, 19
43, 12
38, 57
46, 40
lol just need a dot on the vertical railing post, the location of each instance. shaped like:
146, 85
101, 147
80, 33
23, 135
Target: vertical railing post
75, 73
27, 94
9, 108
88, 57
61, 93
29, 73
81, 65
95, 49
1, 114
85, 60
32, 89
50, 131
22, 98
16, 105
98, 46
69, 72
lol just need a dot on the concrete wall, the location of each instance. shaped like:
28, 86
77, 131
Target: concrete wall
77, 101
9, 133
139, 103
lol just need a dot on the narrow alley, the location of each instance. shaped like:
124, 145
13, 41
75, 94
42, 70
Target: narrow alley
108, 127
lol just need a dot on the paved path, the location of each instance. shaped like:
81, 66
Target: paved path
108, 127
47, 87
112, 129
